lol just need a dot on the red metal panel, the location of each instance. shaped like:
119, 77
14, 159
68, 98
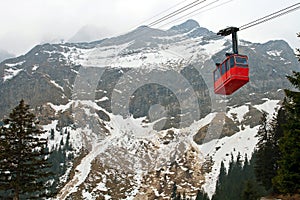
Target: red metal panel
232, 80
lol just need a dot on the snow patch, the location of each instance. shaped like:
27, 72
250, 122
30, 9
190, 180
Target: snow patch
269, 106
57, 85
75, 55
10, 73
103, 99
15, 64
274, 53
35, 67
214, 46
61, 108
239, 111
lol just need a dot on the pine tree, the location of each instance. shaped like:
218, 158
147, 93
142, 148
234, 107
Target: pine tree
249, 192
201, 195
265, 166
233, 185
221, 183
288, 176
23, 157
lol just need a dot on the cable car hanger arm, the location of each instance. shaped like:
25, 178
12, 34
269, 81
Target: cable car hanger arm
233, 31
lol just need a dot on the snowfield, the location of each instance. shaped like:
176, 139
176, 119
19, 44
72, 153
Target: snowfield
122, 129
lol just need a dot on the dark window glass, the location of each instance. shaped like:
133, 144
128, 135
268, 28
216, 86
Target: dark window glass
223, 68
241, 61
231, 62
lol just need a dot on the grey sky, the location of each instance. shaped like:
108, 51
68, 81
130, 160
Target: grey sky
25, 23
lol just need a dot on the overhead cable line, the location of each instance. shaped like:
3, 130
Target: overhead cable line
163, 11
221, 4
269, 17
176, 12
191, 13
261, 20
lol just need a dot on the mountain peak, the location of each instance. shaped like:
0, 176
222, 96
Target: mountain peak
186, 26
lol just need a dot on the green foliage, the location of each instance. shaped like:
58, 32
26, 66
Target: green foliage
60, 158
268, 152
201, 195
239, 182
250, 192
23, 156
288, 174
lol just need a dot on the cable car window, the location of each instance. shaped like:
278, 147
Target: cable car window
241, 61
228, 64
217, 74
223, 68
231, 62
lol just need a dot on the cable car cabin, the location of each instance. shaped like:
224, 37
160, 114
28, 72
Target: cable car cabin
231, 74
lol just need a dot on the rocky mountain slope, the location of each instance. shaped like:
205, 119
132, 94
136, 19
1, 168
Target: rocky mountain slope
140, 108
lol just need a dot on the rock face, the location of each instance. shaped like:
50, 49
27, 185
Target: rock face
141, 106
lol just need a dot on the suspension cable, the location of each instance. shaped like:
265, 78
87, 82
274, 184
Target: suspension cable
271, 16
163, 11
190, 13
176, 12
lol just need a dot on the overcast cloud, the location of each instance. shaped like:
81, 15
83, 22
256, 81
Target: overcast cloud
25, 23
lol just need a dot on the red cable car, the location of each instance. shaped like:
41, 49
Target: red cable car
233, 72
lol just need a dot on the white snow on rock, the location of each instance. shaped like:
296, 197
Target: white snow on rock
239, 111
75, 55
11, 73
269, 106
214, 46
15, 64
179, 50
105, 98
61, 108
35, 67
274, 53
57, 85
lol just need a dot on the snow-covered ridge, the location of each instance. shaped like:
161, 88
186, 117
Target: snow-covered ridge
164, 55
